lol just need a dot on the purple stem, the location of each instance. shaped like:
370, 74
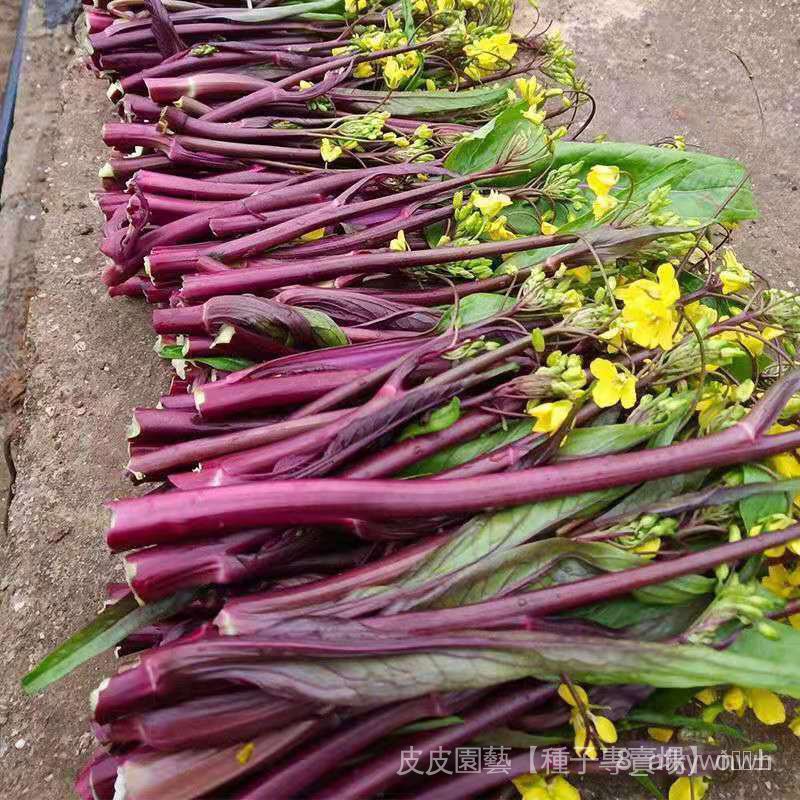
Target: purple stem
141, 521
380, 772
256, 280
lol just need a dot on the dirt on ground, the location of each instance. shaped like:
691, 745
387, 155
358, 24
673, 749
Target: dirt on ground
657, 68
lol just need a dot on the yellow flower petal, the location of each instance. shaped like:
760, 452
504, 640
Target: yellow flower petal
686, 788
605, 394
313, 235
548, 229
733, 699
603, 369
605, 729
561, 789
245, 753
526, 783
767, 706
628, 393
568, 695
662, 735
550, 416
707, 696
602, 179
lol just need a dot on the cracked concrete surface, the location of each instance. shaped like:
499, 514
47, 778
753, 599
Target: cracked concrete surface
656, 68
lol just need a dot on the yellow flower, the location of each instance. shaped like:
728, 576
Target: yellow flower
794, 726
398, 69
549, 416
776, 522
648, 548
245, 753
497, 232
354, 6
604, 205
330, 150
575, 697
490, 205
686, 788
734, 275
537, 117
581, 274
766, 705
305, 85
602, 179
662, 735
363, 70
707, 696
489, 54
755, 344
548, 229
535, 787
312, 236
649, 318
700, 314
399, 243
614, 384
530, 90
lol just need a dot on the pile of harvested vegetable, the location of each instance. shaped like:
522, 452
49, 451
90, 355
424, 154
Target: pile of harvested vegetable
481, 437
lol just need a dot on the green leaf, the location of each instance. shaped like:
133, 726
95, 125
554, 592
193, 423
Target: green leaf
756, 508
667, 701
383, 677
678, 721
171, 351
522, 219
459, 454
507, 140
109, 628
647, 783
326, 332
224, 363
408, 19
676, 591
699, 184
475, 308
442, 103
778, 653
438, 420
604, 439
556, 561
273, 13
619, 613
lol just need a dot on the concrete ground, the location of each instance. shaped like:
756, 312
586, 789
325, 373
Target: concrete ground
656, 68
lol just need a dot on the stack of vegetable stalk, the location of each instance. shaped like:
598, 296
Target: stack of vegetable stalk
463, 409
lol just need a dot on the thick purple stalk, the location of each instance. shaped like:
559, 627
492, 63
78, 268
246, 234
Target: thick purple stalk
315, 762
213, 721
217, 62
375, 776
196, 773
247, 223
256, 280
282, 196
157, 572
193, 451
392, 459
146, 520
174, 185
216, 402
157, 425
373, 235
341, 212
278, 602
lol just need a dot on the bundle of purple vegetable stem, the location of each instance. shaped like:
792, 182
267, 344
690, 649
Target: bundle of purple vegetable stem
348, 417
